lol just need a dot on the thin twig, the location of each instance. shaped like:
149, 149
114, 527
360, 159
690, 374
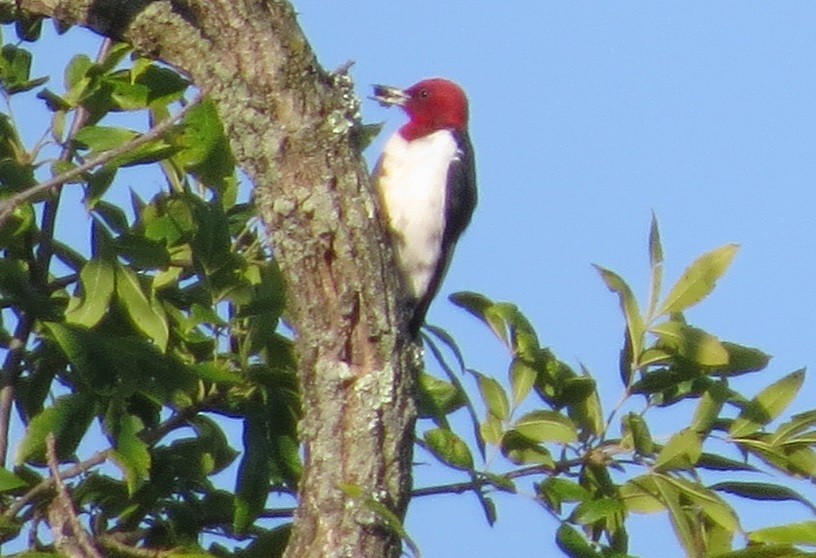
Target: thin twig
47, 484
116, 546
64, 513
8, 205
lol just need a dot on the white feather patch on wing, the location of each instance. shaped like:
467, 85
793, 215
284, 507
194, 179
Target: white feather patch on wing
412, 183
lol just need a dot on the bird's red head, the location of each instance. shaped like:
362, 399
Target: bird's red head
432, 105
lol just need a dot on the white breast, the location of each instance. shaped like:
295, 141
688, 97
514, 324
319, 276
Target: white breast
412, 183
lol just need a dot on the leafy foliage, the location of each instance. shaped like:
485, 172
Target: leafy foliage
150, 346
593, 469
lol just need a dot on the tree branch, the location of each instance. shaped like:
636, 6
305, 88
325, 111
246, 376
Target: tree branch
8, 205
70, 536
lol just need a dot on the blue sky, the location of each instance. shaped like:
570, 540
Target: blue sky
586, 117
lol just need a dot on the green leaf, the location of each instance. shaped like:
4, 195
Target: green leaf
521, 451
634, 320
16, 288
491, 430
555, 491
709, 407
680, 521
103, 138
68, 419
587, 412
479, 306
656, 264
15, 70
146, 313
252, 484
640, 495
99, 139
767, 405
796, 425
708, 501
636, 429
217, 372
692, 343
680, 452
130, 453
164, 85
741, 360
713, 462
590, 511
268, 543
573, 544
206, 152
762, 492
494, 397
522, 378
795, 533
76, 70
698, 280
450, 448
97, 280
547, 426
437, 398
10, 482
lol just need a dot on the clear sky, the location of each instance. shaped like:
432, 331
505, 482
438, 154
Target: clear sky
586, 117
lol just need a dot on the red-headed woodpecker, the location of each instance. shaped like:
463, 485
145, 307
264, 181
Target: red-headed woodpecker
426, 180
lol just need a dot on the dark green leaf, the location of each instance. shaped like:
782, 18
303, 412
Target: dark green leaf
449, 447
68, 419
437, 398
762, 491
144, 311
636, 429
590, 511
691, 343
741, 360
130, 453
206, 152
252, 487
522, 451
17, 288
555, 491
573, 544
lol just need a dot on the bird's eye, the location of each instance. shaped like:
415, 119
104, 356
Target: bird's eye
423, 93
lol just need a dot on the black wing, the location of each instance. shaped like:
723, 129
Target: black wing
460, 201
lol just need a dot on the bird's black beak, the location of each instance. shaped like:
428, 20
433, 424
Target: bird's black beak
389, 96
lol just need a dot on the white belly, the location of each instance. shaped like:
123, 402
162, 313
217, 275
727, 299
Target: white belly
412, 183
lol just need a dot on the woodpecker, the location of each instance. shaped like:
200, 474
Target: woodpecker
426, 182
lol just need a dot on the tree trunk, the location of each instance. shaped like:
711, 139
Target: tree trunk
292, 128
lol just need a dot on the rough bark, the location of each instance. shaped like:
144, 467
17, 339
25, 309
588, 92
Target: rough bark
292, 127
